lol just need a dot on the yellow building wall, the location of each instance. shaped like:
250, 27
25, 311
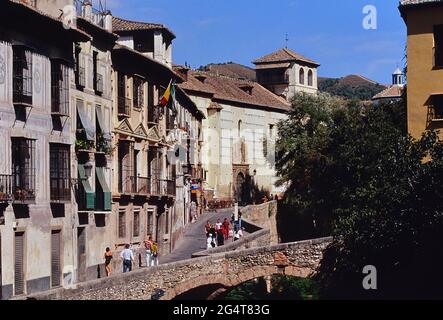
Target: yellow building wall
423, 79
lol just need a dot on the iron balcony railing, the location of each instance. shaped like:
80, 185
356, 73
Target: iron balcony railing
136, 186
61, 189
6, 187
124, 106
19, 188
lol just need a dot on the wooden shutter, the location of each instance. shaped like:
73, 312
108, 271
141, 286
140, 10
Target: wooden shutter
18, 263
121, 225
55, 258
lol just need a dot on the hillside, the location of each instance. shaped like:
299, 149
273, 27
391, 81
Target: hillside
351, 87
230, 69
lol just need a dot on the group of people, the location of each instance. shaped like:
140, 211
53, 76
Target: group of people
127, 256
218, 233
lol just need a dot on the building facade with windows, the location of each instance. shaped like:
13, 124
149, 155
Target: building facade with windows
285, 72
37, 202
239, 134
424, 21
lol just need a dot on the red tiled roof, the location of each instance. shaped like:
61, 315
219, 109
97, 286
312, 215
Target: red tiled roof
284, 55
121, 25
230, 89
392, 92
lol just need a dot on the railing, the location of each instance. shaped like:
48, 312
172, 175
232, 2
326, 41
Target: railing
136, 185
99, 83
80, 77
21, 95
143, 185
435, 113
5, 187
167, 187
19, 188
60, 189
124, 106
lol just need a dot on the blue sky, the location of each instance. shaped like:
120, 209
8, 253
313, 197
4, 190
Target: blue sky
328, 31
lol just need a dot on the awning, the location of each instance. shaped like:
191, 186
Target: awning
272, 66
103, 125
86, 122
106, 190
90, 195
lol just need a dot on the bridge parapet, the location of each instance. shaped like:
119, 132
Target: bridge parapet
226, 269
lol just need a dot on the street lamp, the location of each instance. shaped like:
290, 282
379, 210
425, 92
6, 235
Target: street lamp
88, 168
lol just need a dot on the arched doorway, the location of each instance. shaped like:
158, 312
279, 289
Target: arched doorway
240, 186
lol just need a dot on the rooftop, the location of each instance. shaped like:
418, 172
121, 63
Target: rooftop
120, 25
233, 90
391, 92
231, 69
284, 55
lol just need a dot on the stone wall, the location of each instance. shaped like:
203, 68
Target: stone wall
264, 215
224, 269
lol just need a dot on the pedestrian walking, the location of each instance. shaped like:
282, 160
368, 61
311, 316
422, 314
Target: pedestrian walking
207, 228
148, 246
108, 259
220, 237
128, 257
226, 227
218, 225
154, 260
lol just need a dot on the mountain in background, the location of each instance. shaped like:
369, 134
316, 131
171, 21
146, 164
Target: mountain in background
230, 69
351, 87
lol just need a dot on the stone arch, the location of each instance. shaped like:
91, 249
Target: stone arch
310, 78
301, 76
236, 278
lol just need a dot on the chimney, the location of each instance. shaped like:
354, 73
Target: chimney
87, 10
108, 20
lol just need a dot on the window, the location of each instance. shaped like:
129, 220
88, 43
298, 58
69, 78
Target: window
150, 222
310, 78
437, 107
98, 78
167, 220
22, 77
59, 88
59, 171
239, 128
152, 110
121, 224
23, 168
136, 226
271, 131
138, 93
301, 78
123, 102
80, 73
438, 46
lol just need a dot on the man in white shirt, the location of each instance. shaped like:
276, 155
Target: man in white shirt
127, 256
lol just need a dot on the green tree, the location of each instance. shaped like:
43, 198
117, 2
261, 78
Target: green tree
363, 179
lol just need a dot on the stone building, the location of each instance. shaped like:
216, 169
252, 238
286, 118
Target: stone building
91, 97
239, 133
424, 21
151, 192
37, 162
285, 72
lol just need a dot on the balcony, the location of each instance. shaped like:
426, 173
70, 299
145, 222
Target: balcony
98, 84
136, 186
166, 188
124, 107
5, 188
21, 95
17, 188
60, 189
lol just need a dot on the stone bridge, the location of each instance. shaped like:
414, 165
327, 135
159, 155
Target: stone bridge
218, 272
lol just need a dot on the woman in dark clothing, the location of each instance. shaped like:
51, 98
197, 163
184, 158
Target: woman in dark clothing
108, 259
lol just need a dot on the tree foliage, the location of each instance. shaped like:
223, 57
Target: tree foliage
355, 170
